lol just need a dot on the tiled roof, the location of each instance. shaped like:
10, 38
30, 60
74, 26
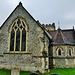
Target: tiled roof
63, 36
69, 35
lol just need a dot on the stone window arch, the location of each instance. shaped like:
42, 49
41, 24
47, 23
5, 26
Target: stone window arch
17, 36
70, 52
59, 51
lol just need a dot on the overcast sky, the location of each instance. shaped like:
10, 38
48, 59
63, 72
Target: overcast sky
46, 11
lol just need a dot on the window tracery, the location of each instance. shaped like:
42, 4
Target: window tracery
18, 36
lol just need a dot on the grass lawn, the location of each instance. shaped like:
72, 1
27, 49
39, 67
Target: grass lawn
24, 73
61, 71
64, 71
5, 72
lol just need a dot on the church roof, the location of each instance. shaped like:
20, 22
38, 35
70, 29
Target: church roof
63, 36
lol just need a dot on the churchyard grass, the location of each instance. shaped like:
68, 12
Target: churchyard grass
63, 71
60, 71
5, 72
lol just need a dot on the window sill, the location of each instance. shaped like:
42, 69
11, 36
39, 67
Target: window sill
17, 53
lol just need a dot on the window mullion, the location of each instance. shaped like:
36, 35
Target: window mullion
15, 42
20, 39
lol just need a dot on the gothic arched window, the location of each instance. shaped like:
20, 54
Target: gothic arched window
59, 52
70, 52
18, 36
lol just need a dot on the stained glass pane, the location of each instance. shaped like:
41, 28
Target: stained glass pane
23, 48
70, 52
12, 40
15, 27
18, 22
23, 23
59, 52
17, 40
21, 26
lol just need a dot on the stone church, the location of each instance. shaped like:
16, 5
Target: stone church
27, 45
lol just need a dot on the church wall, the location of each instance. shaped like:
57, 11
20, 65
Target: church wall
46, 44
34, 43
65, 60
64, 51
22, 62
34, 34
64, 63
55, 49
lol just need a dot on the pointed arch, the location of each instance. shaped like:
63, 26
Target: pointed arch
70, 51
17, 34
23, 22
59, 51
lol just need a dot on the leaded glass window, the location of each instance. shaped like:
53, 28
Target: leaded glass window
18, 36
17, 40
23, 40
12, 40
59, 52
70, 52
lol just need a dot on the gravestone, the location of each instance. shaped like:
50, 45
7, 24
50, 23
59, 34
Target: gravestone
15, 72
